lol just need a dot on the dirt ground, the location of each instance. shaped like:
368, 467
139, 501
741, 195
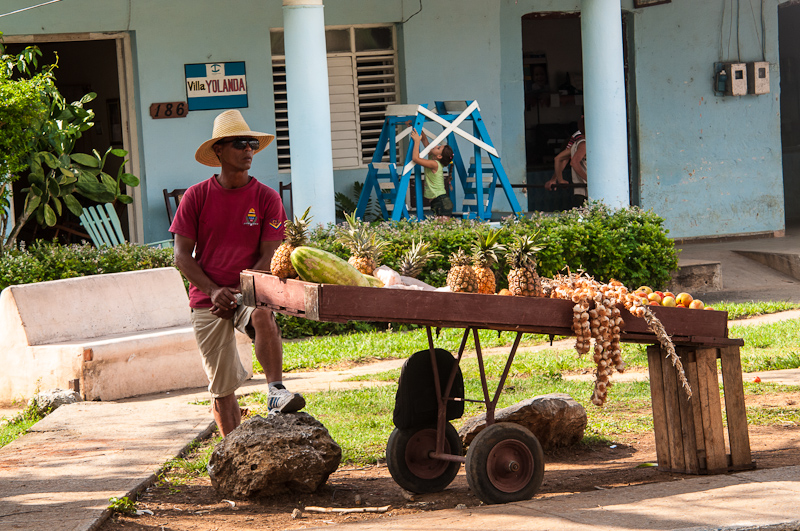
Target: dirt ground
196, 505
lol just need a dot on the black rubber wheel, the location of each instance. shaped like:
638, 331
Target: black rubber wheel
505, 463
407, 456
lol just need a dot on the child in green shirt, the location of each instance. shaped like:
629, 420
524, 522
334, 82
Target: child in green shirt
439, 157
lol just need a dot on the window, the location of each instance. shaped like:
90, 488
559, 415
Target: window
362, 80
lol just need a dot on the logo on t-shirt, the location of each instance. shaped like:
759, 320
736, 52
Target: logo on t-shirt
275, 224
252, 218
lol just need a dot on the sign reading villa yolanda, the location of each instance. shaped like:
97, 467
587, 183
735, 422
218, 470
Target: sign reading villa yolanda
216, 86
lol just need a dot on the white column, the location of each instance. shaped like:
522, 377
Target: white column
604, 102
309, 109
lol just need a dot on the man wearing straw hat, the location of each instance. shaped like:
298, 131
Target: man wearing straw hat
223, 225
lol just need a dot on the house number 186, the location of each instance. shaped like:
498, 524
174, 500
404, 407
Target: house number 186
173, 109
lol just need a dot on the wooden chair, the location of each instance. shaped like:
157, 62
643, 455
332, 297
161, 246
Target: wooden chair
175, 197
286, 187
104, 228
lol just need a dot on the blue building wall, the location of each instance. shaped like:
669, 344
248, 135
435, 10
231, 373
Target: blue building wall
709, 165
169, 35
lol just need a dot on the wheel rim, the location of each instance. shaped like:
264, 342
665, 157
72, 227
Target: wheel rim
418, 459
510, 465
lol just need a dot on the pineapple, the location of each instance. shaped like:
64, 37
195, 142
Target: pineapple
484, 256
416, 258
295, 236
522, 278
461, 277
365, 248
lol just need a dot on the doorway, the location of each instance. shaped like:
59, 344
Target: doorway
553, 75
552, 68
87, 66
789, 51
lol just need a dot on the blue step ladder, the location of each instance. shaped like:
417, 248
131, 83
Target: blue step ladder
489, 178
391, 182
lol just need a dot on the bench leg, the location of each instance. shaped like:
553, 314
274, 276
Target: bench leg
711, 410
659, 406
689, 433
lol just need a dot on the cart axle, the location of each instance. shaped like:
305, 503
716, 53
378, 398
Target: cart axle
447, 457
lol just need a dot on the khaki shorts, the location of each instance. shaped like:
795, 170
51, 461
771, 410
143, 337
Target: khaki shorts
216, 339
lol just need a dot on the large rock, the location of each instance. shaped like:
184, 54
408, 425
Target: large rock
556, 419
48, 401
267, 456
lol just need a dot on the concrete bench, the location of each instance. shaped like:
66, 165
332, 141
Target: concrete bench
106, 336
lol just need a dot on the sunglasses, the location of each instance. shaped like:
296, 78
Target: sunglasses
242, 143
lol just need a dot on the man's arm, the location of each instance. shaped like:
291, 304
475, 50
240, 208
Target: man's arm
223, 299
559, 163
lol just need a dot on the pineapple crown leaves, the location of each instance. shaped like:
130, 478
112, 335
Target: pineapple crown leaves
296, 231
415, 258
304, 219
352, 221
355, 236
522, 251
460, 258
486, 250
422, 249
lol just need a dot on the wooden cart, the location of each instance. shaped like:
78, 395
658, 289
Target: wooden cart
505, 461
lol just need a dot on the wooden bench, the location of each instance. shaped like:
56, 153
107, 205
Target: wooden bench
106, 336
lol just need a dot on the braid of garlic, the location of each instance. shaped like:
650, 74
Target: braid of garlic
580, 326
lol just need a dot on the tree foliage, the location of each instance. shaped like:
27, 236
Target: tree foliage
40, 138
24, 109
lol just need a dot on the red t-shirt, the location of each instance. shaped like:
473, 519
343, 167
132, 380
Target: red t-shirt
228, 227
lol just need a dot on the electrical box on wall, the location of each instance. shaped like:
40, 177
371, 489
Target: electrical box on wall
720, 79
737, 79
758, 77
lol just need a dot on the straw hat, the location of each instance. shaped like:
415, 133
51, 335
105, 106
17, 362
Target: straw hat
226, 125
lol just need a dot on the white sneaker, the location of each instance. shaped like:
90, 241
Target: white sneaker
281, 400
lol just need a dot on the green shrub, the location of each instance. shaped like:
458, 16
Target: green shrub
629, 245
50, 261
296, 327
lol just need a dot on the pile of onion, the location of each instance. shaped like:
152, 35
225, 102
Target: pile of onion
597, 318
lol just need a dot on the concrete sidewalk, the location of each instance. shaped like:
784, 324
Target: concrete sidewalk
61, 475
760, 499
748, 279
